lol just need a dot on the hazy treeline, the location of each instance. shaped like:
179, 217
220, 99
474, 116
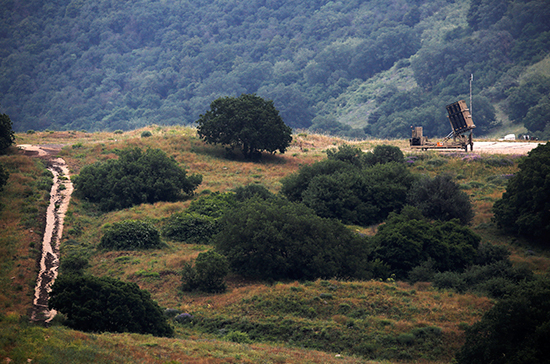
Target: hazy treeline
107, 65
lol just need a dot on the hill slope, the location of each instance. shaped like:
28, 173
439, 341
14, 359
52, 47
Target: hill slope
349, 321
376, 66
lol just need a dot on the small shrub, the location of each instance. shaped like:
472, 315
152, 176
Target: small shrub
118, 131
238, 337
489, 253
449, 280
146, 134
426, 332
207, 275
75, 264
424, 272
191, 228
213, 205
406, 339
130, 235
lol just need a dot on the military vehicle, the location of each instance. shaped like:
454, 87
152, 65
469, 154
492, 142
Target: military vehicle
459, 138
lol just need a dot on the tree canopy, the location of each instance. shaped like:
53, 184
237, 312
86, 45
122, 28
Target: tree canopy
107, 65
98, 304
408, 239
7, 137
440, 198
515, 330
135, 177
523, 208
355, 187
277, 239
247, 122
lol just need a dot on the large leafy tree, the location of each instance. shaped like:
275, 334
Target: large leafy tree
7, 137
136, 177
277, 239
247, 122
100, 304
515, 330
525, 206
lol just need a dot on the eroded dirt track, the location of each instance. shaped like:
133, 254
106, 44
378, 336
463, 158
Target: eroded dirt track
59, 202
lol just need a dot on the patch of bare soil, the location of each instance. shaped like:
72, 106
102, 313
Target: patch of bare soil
503, 147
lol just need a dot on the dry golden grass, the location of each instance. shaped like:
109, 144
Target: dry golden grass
18, 243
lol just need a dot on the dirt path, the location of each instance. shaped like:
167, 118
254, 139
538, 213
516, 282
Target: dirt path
59, 202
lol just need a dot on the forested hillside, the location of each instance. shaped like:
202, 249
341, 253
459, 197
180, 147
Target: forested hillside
353, 68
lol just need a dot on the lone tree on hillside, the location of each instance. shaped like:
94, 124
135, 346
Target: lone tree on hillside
523, 208
7, 137
247, 122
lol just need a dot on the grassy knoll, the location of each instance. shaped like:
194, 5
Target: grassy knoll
23, 204
323, 321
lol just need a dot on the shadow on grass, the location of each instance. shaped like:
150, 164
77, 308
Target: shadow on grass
219, 152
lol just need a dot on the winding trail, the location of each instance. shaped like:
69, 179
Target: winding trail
59, 202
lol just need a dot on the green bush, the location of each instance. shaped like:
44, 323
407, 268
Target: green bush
7, 137
74, 264
515, 330
439, 198
213, 205
382, 154
191, 228
408, 239
98, 304
277, 239
207, 275
523, 208
238, 337
252, 190
495, 279
136, 177
352, 194
347, 153
146, 134
4, 176
130, 235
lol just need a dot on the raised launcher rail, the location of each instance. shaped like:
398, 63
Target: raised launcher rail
461, 135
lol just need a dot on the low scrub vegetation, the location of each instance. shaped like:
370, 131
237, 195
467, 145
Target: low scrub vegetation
130, 235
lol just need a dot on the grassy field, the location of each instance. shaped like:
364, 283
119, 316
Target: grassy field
323, 321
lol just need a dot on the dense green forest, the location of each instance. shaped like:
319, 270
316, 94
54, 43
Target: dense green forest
352, 68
